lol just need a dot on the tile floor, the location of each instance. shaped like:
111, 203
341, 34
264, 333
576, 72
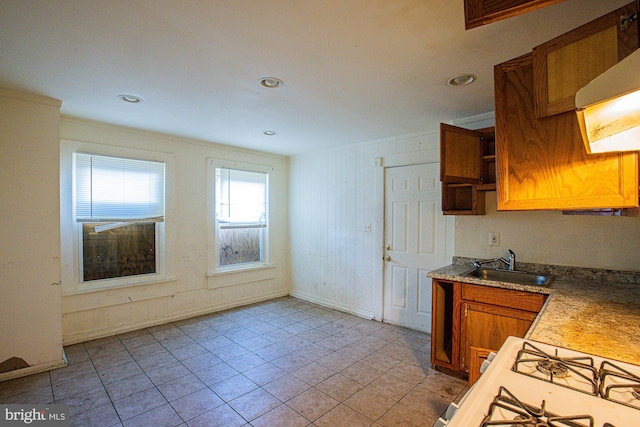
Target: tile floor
284, 362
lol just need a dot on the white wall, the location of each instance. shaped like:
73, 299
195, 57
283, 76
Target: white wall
191, 288
30, 309
548, 237
333, 195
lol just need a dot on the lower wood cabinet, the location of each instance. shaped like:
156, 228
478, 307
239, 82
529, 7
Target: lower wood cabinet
488, 326
467, 316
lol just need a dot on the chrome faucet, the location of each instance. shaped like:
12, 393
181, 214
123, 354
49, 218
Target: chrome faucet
511, 262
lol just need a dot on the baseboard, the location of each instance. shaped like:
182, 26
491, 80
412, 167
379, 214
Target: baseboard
413, 327
367, 314
106, 332
18, 373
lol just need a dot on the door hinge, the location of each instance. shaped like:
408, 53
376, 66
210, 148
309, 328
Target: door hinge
466, 310
627, 20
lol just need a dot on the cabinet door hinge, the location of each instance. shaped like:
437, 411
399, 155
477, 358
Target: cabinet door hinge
466, 310
627, 20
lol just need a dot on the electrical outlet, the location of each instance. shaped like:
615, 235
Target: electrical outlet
494, 239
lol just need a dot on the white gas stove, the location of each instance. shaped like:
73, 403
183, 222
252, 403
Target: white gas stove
531, 384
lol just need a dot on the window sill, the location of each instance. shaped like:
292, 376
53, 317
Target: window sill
103, 287
234, 277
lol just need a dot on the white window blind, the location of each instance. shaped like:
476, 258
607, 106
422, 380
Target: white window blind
110, 189
242, 198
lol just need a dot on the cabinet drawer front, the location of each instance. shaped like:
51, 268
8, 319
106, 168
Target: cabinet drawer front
504, 297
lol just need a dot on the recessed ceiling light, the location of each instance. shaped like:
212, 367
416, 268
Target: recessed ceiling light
269, 132
133, 99
271, 82
462, 80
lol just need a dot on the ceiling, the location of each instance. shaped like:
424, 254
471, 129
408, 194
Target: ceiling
353, 70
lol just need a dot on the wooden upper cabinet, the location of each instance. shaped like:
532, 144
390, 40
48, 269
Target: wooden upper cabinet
542, 163
481, 12
467, 156
567, 63
467, 168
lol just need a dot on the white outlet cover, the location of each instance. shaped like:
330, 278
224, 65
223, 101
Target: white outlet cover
494, 239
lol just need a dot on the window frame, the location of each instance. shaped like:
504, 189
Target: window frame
72, 247
212, 223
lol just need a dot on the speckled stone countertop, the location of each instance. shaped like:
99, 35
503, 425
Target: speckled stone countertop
600, 317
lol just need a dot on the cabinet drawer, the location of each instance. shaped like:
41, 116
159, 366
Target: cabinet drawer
503, 297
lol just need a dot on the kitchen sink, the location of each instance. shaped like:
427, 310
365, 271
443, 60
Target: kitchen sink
511, 276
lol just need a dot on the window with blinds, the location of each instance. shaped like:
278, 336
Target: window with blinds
111, 189
119, 206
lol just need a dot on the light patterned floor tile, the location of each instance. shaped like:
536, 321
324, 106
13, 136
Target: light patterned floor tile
312, 404
283, 362
343, 416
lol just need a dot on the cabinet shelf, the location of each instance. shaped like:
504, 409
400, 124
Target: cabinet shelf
462, 199
487, 187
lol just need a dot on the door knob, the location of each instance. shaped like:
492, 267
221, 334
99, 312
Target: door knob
387, 258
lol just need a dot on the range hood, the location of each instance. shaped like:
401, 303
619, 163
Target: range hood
608, 108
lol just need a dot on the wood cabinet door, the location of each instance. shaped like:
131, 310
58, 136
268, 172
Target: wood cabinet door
478, 356
481, 12
567, 63
488, 326
542, 163
460, 155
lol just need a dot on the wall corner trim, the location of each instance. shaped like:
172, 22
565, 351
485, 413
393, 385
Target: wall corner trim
29, 97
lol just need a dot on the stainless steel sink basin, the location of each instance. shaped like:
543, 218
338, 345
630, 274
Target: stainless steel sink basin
518, 277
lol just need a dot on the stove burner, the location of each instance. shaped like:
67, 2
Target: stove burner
507, 411
576, 373
554, 368
528, 422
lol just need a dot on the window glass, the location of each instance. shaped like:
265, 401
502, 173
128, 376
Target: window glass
118, 252
241, 216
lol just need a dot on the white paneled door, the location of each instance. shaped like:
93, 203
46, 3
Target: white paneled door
414, 243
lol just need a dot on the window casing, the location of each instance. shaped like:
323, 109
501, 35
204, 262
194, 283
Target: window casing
241, 218
119, 208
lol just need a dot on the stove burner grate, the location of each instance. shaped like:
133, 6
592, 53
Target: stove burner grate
619, 385
506, 410
577, 371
